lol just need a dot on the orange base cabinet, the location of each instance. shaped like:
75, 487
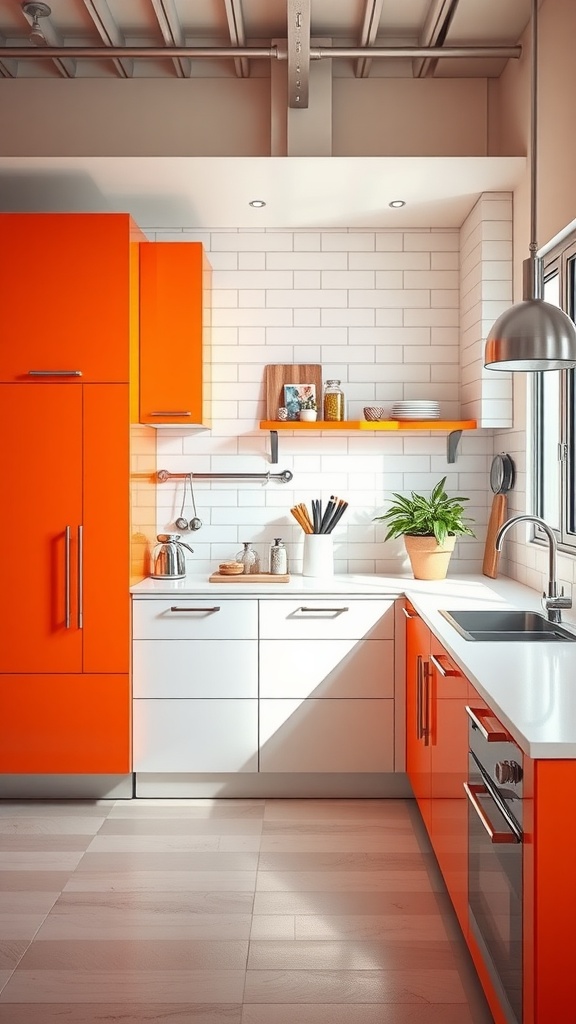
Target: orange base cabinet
59, 724
175, 280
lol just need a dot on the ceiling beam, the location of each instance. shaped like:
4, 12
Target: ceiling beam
298, 15
172, 34
109, 33
434, 33
235, 20
272, 52
372, 14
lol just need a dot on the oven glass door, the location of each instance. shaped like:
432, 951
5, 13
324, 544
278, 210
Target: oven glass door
495, 890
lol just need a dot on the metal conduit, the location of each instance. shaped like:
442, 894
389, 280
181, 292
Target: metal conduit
269, 52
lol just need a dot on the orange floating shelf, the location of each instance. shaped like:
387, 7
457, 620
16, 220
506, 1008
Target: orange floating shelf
369, 425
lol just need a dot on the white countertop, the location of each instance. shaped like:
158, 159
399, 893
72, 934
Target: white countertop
531, 686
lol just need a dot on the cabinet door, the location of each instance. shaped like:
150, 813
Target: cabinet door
41, 430
65, 295
195, 668
327, 735
327, 668
65, 724
173, 290
105, 563
449, 753
418, 711
195, 735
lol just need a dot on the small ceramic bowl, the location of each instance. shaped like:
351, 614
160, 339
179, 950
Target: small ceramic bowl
373, 412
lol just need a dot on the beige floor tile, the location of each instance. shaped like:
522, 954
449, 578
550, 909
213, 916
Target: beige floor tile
140, 955
63, 825
44, 843
331, 826
189, 809
158, 922
153, 843
56, 808
27, 902
270, 927
86, 986
337, 810
154, 901
122, 1013
167, 880
357, 903
33, 881
328, 860
11, 952
351, 954
326, 842
4, 978
40, 861
197, 853
358, 1013
396, 927
237, 843
20, 926
346, 986
343, 881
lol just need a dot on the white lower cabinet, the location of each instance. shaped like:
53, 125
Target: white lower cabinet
271, 686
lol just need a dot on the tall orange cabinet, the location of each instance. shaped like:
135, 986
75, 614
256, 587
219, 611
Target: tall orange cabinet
67, 286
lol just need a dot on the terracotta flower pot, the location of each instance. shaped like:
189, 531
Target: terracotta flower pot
429, 560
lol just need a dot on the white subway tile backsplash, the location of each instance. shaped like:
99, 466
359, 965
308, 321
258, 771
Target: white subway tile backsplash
302, 297
348, 241
357, 317
394, 260
391, 297
307, 260
307, 318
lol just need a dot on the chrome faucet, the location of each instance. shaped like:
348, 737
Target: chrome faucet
552, 601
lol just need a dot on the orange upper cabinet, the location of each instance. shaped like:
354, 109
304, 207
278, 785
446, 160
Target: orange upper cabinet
174, 324
66, 281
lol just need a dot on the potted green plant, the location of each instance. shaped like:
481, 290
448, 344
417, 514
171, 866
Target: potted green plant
429, 526
308, 408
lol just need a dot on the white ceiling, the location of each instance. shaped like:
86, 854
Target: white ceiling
205, 192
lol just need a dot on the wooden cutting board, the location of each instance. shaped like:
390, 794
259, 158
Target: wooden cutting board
496, 520
252, 577
276, 375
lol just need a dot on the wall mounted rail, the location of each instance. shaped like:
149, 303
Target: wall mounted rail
282, 478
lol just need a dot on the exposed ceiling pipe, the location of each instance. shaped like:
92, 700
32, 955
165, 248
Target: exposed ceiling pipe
270, 52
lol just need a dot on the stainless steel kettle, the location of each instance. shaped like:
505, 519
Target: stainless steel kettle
168, 559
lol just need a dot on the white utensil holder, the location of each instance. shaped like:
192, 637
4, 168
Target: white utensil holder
318, 555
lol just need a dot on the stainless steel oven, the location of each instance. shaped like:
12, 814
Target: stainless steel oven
494, 791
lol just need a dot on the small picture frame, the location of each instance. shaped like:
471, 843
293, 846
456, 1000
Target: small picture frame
296, 396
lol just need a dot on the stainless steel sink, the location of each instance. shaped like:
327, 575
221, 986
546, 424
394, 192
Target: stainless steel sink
507, 624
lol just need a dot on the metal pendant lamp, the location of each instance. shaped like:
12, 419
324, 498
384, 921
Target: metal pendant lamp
533, 335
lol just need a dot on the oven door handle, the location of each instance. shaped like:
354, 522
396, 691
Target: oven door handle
477, 716
473, 791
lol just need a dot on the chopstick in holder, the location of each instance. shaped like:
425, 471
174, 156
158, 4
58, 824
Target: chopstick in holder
327, 514
304, 523
306, 516
337, 515
315, 515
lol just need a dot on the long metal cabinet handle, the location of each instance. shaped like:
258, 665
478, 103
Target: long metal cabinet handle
490, 735
67, 576
170, 412
175, 608
473, 790
334, 611
426, 702
54, 373
419, 730
80, 577
435, 659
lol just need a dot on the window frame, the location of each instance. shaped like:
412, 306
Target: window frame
560, 260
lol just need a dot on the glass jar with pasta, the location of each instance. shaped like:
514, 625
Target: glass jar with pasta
333, 401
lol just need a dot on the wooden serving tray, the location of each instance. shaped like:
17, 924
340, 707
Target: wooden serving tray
252, 577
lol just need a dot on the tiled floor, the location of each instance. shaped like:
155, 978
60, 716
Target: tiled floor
227, 912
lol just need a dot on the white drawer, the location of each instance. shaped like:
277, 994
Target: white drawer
326, 668
326, 618
195, 668
327, 736
195, 735
193, 618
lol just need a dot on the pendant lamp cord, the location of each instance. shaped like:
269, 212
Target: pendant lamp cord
533, 128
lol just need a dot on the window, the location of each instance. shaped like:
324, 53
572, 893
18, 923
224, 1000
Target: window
554, 417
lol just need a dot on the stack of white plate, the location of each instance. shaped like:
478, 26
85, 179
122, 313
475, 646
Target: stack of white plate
416, 411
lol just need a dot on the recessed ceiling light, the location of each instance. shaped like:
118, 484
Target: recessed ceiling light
397, 203
256, 203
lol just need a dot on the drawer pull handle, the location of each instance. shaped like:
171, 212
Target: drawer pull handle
175, 608
54, 373
171, 412
331, 611
473, 791
435, 659
476, 716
